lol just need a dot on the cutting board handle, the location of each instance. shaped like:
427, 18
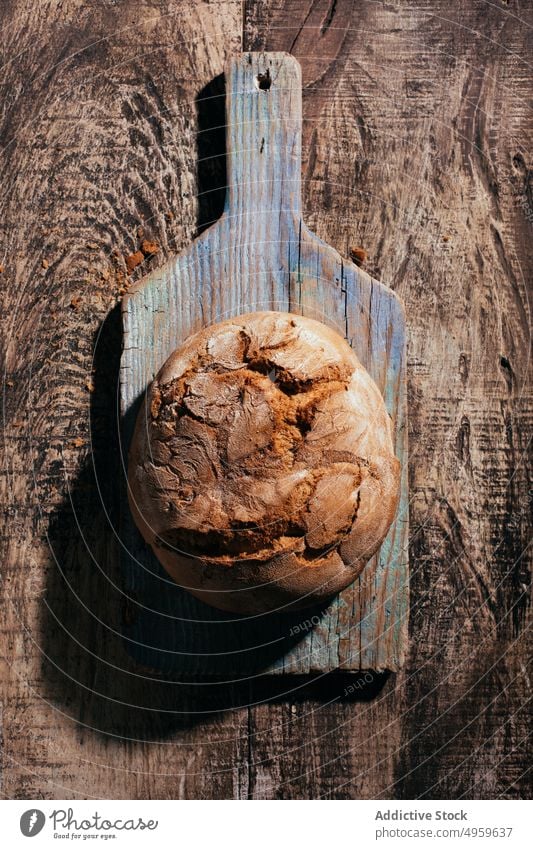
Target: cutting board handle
264, 136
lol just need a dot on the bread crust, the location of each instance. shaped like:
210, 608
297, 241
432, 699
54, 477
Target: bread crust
262, 470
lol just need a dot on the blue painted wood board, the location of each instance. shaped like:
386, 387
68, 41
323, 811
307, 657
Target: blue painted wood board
261, 255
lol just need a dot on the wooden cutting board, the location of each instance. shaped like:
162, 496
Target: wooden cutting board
260, 255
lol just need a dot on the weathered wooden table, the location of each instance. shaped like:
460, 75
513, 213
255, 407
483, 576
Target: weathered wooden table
417, 147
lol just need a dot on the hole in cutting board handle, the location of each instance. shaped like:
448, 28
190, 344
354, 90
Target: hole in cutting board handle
264, 81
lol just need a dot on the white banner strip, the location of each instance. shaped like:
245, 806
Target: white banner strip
254, 826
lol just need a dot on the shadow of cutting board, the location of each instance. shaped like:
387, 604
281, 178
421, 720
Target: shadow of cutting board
260, 255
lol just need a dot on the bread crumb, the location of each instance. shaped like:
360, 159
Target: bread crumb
2, 269
446, 237
78, 442
358, 255
10, 383
93, 246
89, 385
149, 248
75, 302
45, 263
133, 260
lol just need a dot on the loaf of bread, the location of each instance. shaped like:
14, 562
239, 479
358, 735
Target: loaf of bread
262, 470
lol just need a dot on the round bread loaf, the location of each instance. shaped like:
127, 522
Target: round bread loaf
261, 469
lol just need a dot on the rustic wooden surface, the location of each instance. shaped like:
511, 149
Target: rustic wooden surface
261, 255
417, 140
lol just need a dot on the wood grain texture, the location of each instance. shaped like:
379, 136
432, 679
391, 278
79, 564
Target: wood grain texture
417, 146
417, 142
261, 255
99, 120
